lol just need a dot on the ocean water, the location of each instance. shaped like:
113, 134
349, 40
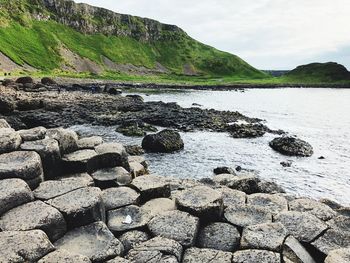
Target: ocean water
319, 116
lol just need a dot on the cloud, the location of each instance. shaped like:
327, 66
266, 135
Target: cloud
269, 34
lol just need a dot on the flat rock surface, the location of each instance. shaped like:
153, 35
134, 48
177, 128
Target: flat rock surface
94, 241
132, 238
37, 133
9, 140
320, 210
152, 186
118, 197
245, 215
89, 142
24, 246
111, 177
232, 197
332, 239
272, 202
254, 256
118, 260
206, 255
14, 192
77, 161
35, 215
338, 256
176, 225
64, 256
159, 205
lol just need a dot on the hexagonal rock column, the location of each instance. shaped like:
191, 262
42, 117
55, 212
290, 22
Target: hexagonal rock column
332, 239
320, 210
24, 246
67, 139
118, 197
156, 250
246, 215
159, 205
77, 162
303, 226
219, 236
245, 183
49, 151
10, 140
111, 177
127, 218
338, 256
232, 197
23, 165
89, 142
274, 203
151, 186
64, 256
269, 236
176, 225
34, 134
254, 256
94, 241
206, 255
35, 215
80, 207
293, 251
14, 192
132, 238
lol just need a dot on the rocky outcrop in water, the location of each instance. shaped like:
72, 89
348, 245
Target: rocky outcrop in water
292, 146
164, 141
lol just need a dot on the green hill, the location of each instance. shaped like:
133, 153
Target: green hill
60, 35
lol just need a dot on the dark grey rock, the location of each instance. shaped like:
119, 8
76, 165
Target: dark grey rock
10, 140
176, 225
338, 256
206, 255
244, 183
134, 150
219, 236
67, 139
118, 260
132, 238
37, 133
293, 251
318, 209
14, 192
224, 170
249, 130
89, 142
77, 162
6, 105
159, 205
272, 202
246, 215
151, 186
118, 197
291, 146
25, 80
94, 241
80, 207
111, 177
332, 239
64, 256
255, 255
48, 81
165, 141
269, 187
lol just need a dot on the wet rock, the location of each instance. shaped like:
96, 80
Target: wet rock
4, 124
48, 81
220, 236
131, 130
151, 186
35, 215
318, 209
77, 162
134, 150
338, 256
25, 80
89, 142
291, 146
206, 255
246, 215
67, 139
165, 141
156, 250
244, 183
118, 197
14, 192
94, 241
49, 151
269, 187
63, 256
247, 130
127, 218
332, 239
232, 197
176, 225
303, 226
224, 170
269, 236
24, 246
80, 207
54, 188
255, 255
6, 105
201, 201
293, 251
132, 238
10, 140
111, 177
273, 203
159, 205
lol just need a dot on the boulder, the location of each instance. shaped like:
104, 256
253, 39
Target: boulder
67, 139
94, 241
151, 186
165, 141
35, 215
114, 91
338, 256
269, 236
293, 251
332, 239
14, 192
25, 80
132, 238
303, 226
269, 187
24, 246
6, 105
77, 162
201, 201
134, 150
219, 236
34, 134
246, 215
224, 170
80, 207
176, 225
89, 142
48, 81
232, 197
4, 124
291, 146
273, 203
8, 82
64, 256
159, 205
255, 255
244, 183
118, 197
206, 255
111, 177
318, 209
127, 218
10, 140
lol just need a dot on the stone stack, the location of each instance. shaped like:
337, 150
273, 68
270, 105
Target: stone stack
70, 199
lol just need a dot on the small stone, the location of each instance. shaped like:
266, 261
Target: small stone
332, 239
219, 236
273, 203
94, 241
24, 246
338, 256
4, 124
111, 177
118, 197
295, 252
303, 226
34, 134
151, 186
159, 205
89, 142
244, 183
206, 255
246, 215
166, 141
76, 162
15, 192
80, 207
116, 219
318, 209
67, 139
132, 238
63, 256
254, 256
10, 140
232, 197
176, 225
224, 170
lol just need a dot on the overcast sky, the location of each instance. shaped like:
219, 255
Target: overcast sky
269, 34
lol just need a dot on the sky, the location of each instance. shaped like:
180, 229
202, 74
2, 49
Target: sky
268, 34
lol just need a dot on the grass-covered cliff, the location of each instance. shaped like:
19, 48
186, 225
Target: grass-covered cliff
60, 35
